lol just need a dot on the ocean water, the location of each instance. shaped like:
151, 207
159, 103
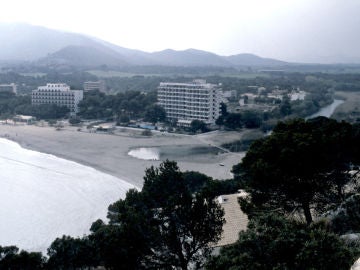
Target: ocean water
43, 197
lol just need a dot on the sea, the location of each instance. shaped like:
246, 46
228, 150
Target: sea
43, 197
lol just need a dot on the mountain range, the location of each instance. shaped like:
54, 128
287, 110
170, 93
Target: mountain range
43, 46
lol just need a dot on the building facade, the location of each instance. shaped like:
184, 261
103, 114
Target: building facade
91, 86
59, 94
185, 102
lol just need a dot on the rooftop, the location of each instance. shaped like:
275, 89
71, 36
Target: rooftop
236, 220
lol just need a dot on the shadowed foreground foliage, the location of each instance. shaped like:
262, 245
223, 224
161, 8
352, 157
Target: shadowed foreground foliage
273, 242
307, 166
301, 165
165, 226
346, 218
11, 258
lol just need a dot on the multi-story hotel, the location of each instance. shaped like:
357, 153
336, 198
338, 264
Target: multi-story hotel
59, 94
185, 102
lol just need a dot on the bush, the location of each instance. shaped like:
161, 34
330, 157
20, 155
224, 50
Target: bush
146, 132
74, 120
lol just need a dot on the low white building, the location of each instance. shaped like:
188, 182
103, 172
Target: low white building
59, 94
185, 102
297, 95
98, 85
28, 119
12, 87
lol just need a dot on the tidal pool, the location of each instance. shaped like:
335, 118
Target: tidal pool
173, 152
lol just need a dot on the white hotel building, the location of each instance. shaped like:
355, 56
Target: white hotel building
185, 102
59, 94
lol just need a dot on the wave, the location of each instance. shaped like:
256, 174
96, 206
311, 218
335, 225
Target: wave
43, 197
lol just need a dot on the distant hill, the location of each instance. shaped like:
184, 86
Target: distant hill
135, 57
246, 59
190, 57
27, 43
95, 56
84, 56
42, 46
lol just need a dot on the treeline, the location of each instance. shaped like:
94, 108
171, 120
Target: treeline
286, 109
27, 83
11, 105
302, 199
133, 83
343, 82
12, 258
310, 82
247, 119
170, 71
43, 111
122, 106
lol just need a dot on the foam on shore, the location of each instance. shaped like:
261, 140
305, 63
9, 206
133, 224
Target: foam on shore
43, 197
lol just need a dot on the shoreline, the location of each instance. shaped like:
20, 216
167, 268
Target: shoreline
44, 197
109, 153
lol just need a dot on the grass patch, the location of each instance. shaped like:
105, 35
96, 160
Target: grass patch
34, 74
246, 75
350, 109
121, 74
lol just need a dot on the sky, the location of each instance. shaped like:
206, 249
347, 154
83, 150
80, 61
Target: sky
324, 31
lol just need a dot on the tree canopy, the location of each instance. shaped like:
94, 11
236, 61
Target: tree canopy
164, 226
274, 242
11, 258
71, 253
155, 113
185, 224
301, 165
198, 125
130, 103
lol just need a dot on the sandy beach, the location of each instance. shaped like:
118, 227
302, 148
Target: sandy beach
109, 152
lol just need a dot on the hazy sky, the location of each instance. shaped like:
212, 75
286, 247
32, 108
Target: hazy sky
291, 30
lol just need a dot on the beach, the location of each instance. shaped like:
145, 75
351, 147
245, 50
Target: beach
109, 152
